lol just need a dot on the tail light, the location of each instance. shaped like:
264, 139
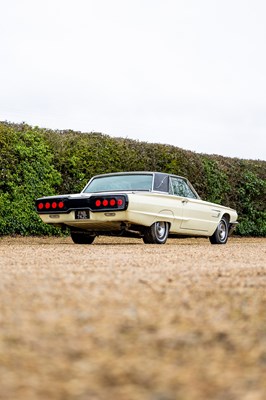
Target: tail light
40, 206
54, 205
50, 205
101, 203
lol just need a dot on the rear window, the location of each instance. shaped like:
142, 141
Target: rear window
120, 183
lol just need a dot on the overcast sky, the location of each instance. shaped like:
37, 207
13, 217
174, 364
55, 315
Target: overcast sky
190, 73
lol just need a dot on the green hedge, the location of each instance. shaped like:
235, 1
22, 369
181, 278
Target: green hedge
26, 172
38, 162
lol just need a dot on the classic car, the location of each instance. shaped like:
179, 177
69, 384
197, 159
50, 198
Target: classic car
149, 205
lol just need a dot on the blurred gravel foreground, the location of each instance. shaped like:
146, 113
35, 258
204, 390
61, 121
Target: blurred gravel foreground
126, 321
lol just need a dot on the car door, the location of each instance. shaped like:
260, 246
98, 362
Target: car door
196, 214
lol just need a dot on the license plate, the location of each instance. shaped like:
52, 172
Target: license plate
82, 214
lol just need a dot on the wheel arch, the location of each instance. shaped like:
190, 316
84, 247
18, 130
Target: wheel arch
166, 216
227, 217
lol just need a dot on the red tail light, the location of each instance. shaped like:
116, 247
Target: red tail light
60, 204
100, 203
53, 205
114, 202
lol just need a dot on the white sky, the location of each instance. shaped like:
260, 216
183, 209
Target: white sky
191, 73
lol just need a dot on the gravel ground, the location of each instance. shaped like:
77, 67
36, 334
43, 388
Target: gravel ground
126, 321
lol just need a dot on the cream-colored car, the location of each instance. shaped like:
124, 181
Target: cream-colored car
150, 205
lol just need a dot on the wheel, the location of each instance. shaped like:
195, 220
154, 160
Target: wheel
220, 236
82, 238
157, 233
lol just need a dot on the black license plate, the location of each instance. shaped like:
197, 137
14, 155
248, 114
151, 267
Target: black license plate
82, 214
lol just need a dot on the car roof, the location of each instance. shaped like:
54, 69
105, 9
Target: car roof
153, 173
138, 172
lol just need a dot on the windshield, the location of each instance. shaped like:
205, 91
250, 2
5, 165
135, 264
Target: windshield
120, 182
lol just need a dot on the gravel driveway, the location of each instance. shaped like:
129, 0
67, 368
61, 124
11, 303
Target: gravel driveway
126, 321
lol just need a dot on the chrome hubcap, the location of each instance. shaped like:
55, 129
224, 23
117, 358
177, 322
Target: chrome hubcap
160, 229
222, 231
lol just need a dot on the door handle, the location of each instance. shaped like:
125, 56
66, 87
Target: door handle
185, 201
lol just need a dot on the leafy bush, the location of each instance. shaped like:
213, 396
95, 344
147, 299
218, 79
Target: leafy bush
217, 181
252, 199
38, 162
26, 172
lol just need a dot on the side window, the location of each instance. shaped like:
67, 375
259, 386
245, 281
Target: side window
179, 187
161, 183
